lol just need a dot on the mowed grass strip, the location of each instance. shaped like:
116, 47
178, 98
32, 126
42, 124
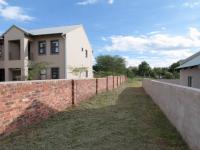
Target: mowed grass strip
123, 119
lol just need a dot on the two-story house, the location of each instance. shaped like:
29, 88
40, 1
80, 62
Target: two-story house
63, 48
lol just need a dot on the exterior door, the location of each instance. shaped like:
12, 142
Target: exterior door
2, 75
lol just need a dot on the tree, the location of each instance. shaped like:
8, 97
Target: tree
174, 71
144, 69
168, 75
173, 67
157, 73
132, 72
109, 65
35, 70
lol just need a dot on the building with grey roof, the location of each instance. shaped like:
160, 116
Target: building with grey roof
190, 71
61, 49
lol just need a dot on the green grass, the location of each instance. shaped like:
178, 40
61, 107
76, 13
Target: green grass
124, 119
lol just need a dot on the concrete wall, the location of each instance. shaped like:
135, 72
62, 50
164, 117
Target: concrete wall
25, 103
181, 105
195, 73
173, 81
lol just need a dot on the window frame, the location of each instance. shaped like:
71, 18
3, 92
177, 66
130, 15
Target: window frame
86, 53
53, 52
86, 74
43, 74
189, 81
39, 48
58, 73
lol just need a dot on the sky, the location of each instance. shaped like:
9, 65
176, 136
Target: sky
160, 32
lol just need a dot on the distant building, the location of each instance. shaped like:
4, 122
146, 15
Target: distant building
62, 48
190, 71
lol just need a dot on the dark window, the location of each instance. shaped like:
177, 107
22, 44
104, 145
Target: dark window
86, 74
190, 81
86, 53
42, 48
82, 49
55, 73
29, 51
2, 75
55, 47
16, 75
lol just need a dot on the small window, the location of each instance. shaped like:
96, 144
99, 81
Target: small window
190, 81
86, 53
43, 74
55, 73
86, 73
55, 47
42, 48
82, 49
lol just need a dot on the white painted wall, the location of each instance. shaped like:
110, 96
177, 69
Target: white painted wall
75, 41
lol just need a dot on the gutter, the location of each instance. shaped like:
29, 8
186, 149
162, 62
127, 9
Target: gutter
65, 59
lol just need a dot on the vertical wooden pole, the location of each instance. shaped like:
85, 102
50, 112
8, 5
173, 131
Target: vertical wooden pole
107, 84
73, 92
113, 82
97, 86
117, 81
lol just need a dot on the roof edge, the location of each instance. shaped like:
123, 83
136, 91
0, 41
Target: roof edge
14, 26
29, 33
190, 58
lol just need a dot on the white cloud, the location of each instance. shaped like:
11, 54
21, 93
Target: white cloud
166, 48
156, 41
153, 61
3, 2
90, 2
110, 1
13, 12
87, 2
191, 3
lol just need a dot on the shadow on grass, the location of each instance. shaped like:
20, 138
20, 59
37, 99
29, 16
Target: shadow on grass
34, 113
124, 119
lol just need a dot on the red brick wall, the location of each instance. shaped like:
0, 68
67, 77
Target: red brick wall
110, 83
115, 81
84, 89
24, 103
27, 102
102, 85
